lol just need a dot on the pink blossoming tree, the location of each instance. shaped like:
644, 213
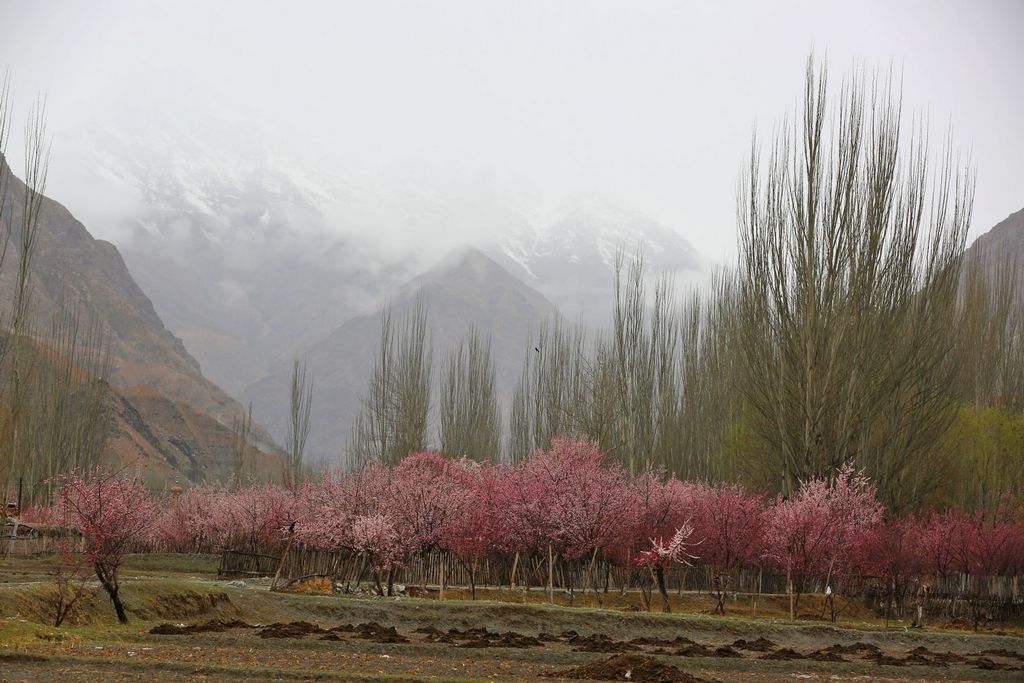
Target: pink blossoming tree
114, 515
813, 534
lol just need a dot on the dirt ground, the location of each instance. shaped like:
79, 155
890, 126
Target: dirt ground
185, 625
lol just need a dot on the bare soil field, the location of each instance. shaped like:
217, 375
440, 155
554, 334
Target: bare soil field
185, 625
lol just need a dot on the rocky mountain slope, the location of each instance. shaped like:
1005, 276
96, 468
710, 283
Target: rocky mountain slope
168, 414
1003, 243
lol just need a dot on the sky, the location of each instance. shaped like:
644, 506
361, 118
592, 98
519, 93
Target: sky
652, 103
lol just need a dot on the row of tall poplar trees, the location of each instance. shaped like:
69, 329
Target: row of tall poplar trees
850, 328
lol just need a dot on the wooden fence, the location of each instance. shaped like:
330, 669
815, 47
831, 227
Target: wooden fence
972, 598
20, 539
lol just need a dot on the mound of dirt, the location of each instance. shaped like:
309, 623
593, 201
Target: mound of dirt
330, 636
884, 660
783, 654
434, 635
694, 650
295, 629
629, 667
1002, 652
918, 658
646, 640
506, 639
599, 643
826, 655
211, 626
376, 633
678, 641
726, 651
987, 664
758, 645
857, 648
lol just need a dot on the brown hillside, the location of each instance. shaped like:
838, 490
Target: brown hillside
170, 440
170, 418
72, 268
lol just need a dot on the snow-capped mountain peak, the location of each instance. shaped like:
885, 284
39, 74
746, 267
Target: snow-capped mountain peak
571, 258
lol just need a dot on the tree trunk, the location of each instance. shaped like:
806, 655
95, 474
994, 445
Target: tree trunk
472, 579
551, 575
789, 589
590, 568
362, 568
660, 575
719, 594
512, 576
110, 585
753, 612
444, 576
284, 556
644, 591
424, 565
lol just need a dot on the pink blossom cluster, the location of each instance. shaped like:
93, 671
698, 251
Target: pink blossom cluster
902, 549
572, 502
115, 515
212, 518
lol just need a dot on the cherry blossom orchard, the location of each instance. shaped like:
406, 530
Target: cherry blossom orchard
567, 505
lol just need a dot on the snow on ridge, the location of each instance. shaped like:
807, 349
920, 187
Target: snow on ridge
601, 226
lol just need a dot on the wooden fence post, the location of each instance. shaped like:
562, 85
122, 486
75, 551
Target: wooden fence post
287, 547
551, 575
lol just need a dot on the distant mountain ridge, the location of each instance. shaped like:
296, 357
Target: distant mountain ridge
1004, 242
252, 261
235, 249
250, 255
468, 288
572, 258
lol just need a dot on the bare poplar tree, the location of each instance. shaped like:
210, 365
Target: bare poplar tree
470, 421
69, 406
395, 415
848, 275
240, 447
594, 402
645, 357
543, 401
710, 434
5, 213
17, 356
300, 402
6, 465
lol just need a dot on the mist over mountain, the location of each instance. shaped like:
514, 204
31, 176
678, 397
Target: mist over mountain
252, 257
464, 290
571, 259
